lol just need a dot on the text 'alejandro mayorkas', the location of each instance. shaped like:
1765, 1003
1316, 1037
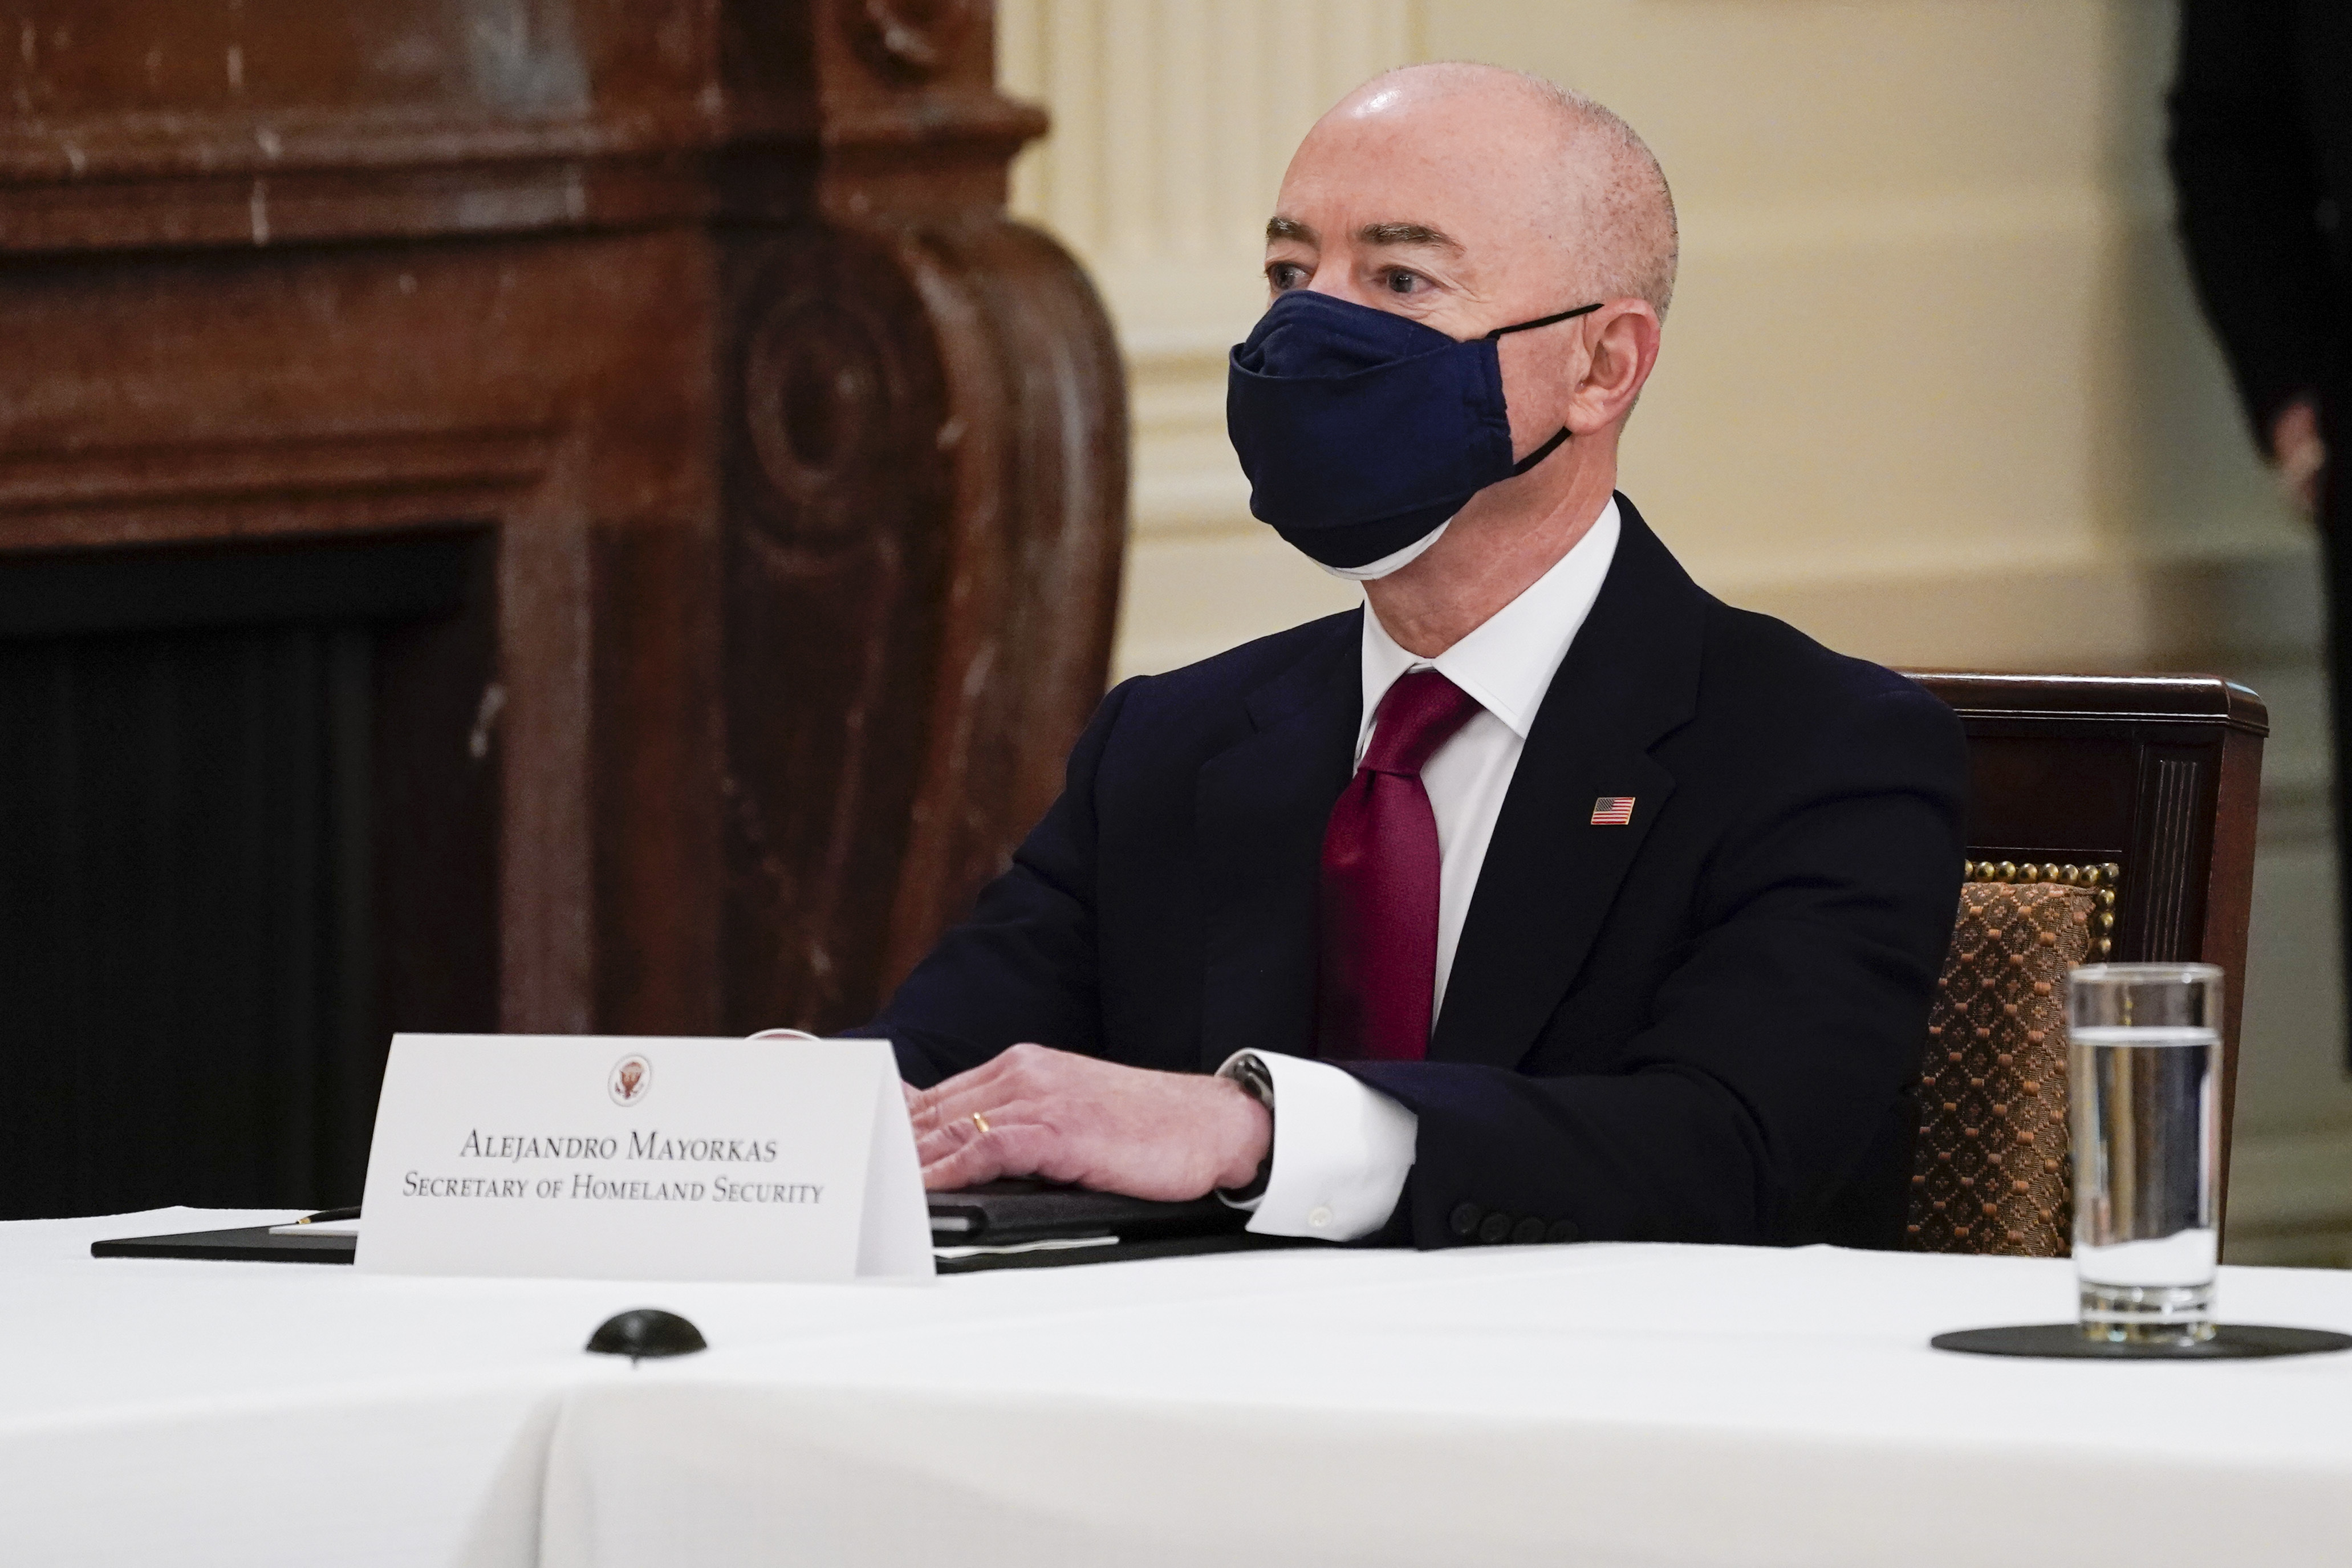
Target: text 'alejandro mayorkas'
646, 1145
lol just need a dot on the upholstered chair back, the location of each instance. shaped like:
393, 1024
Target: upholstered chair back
2110, 818
1992, 1172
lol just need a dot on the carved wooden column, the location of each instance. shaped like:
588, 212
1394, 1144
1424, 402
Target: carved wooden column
705, 506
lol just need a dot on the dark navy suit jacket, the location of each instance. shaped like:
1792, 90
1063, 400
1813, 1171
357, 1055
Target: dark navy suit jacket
1704, 1025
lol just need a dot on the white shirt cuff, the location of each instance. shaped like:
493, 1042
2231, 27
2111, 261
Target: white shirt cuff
1341, 1151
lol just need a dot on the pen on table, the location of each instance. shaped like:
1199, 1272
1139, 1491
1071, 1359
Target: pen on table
323, 1216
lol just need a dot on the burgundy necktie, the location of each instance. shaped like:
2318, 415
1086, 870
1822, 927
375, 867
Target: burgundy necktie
1378, 969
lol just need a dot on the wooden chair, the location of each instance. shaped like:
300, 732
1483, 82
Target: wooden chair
2110, 818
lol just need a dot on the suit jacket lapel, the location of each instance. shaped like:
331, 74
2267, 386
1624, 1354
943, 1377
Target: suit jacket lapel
1260, 809
1629, 678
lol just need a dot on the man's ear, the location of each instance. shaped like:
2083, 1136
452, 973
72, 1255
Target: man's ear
1623, 341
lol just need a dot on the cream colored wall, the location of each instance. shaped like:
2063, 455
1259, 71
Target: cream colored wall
1172, 121
1933, 387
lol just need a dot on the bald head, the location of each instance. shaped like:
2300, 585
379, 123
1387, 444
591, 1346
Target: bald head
1474, 199
1590, 189
1469, 198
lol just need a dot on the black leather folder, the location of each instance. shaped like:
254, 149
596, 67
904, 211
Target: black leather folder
1000, 1214
1015, 1213
245, 1244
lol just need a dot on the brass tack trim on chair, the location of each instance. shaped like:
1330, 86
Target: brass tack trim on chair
2103, 878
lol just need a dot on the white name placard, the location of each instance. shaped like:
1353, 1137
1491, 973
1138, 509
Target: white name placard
628, 1158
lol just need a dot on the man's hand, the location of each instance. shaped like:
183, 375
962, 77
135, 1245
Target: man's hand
1034, 1111
2300, 454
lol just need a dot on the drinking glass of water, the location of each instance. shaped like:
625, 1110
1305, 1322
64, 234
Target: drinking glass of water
2145, 1060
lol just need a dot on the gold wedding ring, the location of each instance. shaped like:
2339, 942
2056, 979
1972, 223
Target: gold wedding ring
979, 1121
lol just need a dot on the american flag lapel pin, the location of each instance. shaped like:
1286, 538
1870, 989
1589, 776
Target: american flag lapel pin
1612, 811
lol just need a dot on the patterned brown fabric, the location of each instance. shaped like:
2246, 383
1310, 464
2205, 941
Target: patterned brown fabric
1992, 1173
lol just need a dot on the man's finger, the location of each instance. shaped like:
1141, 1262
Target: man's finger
933, 1106
943, 1109
960, 1096
1021, 1150
923, 1105
976, 1160
940, 1142
948, 1136
967, 1167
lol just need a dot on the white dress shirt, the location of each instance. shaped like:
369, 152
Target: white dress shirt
1342, 1148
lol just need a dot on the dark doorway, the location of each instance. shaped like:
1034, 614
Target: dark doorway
202, 756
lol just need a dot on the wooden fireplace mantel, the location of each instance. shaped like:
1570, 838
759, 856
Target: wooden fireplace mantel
173, 122
793, 470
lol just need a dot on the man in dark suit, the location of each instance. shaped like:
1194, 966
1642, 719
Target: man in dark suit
2262, 158
1546, 898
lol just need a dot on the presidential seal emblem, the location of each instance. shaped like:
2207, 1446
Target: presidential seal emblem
632, 1078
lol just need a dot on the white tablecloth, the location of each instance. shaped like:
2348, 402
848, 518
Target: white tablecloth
248, 1414
1596, 1405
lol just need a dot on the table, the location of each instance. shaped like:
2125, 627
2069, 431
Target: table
1587, 1404
251, 1415
1597, 1404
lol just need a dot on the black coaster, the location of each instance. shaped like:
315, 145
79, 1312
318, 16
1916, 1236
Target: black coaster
2064, 1341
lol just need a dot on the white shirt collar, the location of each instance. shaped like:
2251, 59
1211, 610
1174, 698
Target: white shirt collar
1508, 662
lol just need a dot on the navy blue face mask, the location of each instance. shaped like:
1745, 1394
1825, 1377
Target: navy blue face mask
1362, 432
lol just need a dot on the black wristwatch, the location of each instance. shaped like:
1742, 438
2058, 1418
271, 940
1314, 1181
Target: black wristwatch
1258, 1084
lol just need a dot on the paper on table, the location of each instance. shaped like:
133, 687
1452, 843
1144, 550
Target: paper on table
1051, 1244
322, 1227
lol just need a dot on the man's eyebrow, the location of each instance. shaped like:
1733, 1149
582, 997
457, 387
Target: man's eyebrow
1290, 228
1374, 234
